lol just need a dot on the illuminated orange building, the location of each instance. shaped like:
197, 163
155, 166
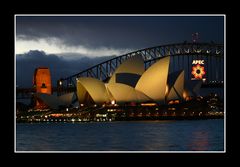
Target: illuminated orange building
42, 83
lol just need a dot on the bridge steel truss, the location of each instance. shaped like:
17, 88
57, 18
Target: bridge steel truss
180, 53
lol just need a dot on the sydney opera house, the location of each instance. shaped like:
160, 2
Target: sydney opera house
129, 84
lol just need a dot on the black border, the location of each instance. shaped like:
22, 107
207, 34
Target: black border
115, 158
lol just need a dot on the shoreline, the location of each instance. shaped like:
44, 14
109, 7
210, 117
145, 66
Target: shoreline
128, 119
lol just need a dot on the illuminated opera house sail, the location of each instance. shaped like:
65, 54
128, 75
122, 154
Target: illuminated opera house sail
132, 83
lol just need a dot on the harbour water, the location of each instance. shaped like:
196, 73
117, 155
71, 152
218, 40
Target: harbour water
181, 135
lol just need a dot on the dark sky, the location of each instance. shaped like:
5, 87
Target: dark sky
72, 43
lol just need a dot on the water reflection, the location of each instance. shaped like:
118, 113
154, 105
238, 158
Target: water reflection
199, 141
122, 136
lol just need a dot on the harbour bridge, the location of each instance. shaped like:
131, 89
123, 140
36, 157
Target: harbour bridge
182, 55
181, 58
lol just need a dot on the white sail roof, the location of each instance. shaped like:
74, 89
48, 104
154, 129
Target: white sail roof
66, 98
94, 87
54, 101
177, 88
134, 65
153, 82
124, 93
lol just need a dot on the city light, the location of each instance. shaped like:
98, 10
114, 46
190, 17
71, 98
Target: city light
166, 92
113, 102
148, 104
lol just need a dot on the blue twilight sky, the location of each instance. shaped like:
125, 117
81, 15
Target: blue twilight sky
67, 44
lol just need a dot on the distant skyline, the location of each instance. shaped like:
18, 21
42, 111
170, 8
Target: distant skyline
62, 42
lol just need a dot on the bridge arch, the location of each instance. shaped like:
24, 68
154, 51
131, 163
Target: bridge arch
181, 55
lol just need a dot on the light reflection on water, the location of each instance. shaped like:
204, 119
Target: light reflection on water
199, 135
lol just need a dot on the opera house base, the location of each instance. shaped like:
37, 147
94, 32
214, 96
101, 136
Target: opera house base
190, 110
110, 118
147, 118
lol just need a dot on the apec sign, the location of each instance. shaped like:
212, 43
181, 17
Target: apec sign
198, 62
198, 71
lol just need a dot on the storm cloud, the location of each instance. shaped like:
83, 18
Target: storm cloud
127, 32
